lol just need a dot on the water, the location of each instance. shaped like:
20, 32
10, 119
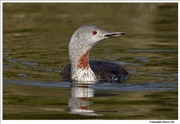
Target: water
35, 50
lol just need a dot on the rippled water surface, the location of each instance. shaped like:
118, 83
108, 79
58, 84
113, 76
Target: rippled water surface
35, 50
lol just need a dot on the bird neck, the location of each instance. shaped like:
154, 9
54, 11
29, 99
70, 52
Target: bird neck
83, 61
80, 69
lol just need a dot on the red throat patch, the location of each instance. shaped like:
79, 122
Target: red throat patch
83, 61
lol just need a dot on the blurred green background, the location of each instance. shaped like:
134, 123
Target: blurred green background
35, 48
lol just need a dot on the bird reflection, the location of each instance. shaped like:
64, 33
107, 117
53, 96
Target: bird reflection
79, 99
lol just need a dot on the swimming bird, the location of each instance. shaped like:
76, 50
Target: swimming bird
81, 69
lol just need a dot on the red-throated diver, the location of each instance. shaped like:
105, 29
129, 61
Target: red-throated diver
81, 69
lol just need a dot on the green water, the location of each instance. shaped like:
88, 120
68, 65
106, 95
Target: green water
35, 50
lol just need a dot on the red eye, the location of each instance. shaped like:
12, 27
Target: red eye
94, 32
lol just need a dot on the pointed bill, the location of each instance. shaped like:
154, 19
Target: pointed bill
114, 34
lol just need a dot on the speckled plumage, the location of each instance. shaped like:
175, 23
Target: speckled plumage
80, 69
104, 71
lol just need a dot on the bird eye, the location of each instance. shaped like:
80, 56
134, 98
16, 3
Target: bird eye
94, 32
